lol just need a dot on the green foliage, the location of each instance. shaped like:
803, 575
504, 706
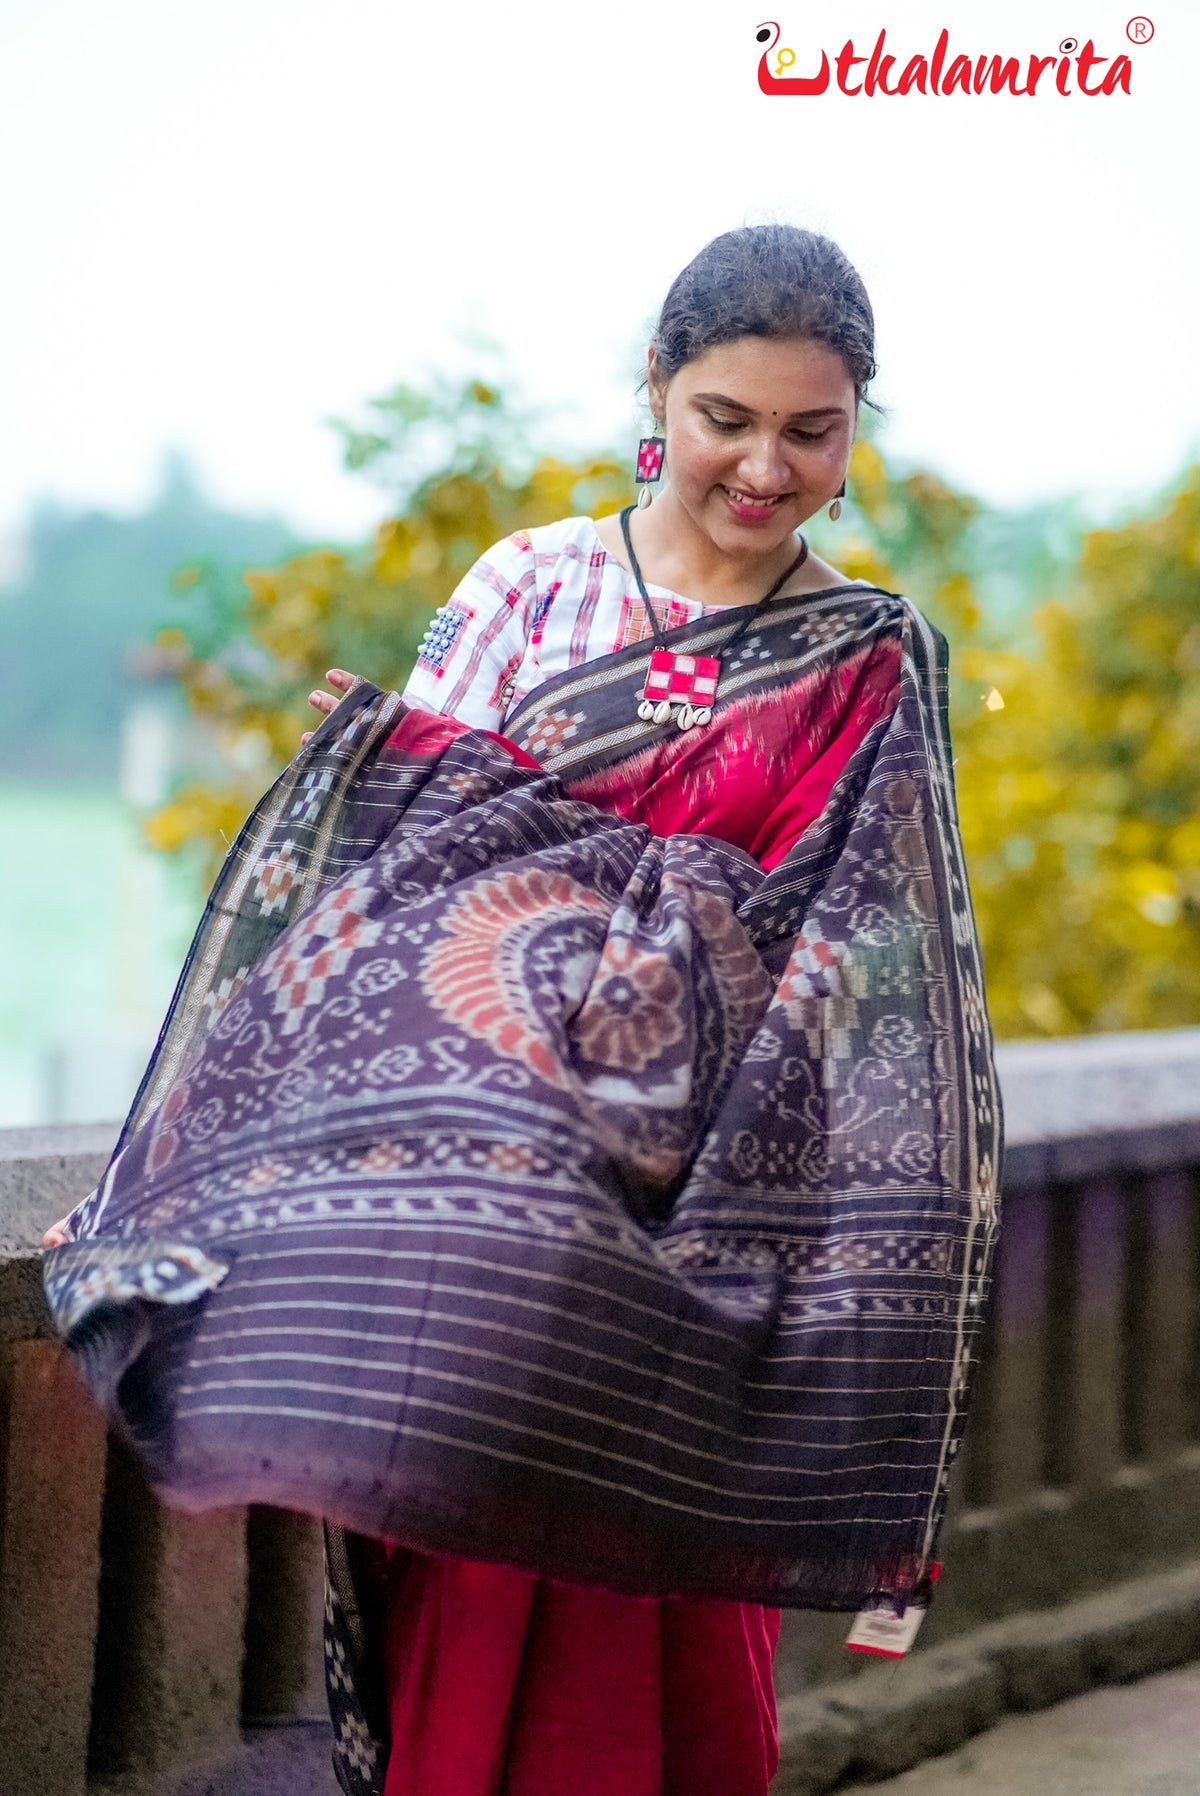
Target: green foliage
1081, 799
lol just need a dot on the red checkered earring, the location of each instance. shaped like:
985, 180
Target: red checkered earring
650, 454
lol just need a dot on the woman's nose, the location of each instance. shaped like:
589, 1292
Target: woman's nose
763, 465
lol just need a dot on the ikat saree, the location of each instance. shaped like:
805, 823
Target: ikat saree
527, 1181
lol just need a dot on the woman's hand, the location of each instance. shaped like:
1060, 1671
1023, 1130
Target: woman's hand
325, 701
56, 1235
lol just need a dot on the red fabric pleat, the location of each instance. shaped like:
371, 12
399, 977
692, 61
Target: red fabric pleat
502, 1683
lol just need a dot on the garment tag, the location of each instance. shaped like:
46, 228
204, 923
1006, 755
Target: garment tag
881, 1630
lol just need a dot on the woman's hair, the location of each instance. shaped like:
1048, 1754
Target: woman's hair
771, 280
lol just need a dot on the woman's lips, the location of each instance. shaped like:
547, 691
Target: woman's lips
750, 508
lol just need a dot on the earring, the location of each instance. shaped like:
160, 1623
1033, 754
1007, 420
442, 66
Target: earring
650, 454
835, 509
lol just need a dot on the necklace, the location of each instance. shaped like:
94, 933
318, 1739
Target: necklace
689, 681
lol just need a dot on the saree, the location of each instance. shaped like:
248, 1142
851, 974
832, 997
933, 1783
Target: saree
526, 1181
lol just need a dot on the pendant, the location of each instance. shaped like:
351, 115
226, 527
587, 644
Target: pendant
686, 681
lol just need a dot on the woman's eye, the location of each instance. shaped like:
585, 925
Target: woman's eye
727, 426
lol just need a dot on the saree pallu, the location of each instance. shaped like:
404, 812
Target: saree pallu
522, 1181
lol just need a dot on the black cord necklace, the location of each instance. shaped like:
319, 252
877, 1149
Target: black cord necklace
689, 681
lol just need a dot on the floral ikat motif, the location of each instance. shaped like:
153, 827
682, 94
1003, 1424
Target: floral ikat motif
499, 960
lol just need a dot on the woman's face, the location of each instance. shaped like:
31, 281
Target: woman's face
758, 437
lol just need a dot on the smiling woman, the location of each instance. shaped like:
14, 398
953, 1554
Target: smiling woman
570, 1161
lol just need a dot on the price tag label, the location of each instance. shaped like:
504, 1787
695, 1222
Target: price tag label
884, 1632
878, 1629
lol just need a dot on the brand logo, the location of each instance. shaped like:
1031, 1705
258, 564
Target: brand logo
1074, 68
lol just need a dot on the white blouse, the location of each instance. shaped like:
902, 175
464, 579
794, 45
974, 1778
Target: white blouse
541, 601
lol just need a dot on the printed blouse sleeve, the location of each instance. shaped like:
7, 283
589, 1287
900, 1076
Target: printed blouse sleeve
467, 664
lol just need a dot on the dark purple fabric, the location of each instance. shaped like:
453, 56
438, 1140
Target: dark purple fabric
516, 1183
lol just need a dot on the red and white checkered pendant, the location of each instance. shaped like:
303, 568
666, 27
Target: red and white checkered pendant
686, 681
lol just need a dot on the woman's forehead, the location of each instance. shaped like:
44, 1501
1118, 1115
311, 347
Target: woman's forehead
786, 374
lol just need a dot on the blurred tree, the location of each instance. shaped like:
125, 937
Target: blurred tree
1077, 743
249, 653
1081, 798
1077, 728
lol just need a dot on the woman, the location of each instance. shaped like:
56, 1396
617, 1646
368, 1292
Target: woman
570, 1158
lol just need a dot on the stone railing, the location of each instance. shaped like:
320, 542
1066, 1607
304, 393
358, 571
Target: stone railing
135, 1640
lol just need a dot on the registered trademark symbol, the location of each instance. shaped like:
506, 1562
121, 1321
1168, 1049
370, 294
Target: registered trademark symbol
1139, 29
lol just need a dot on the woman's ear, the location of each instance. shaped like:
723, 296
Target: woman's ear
655, 388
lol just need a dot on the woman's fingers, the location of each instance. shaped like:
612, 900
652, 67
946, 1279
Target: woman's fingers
56, 1235
328, 702
343, 681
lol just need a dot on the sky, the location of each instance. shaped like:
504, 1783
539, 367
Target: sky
225, 223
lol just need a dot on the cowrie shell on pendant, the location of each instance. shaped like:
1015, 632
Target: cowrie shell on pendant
686, 718
646, 710
703, 715
662, 711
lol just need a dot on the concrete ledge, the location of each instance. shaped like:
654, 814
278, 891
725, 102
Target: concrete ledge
1085, 1084
44, 1173
1062, 1099
879, 1723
